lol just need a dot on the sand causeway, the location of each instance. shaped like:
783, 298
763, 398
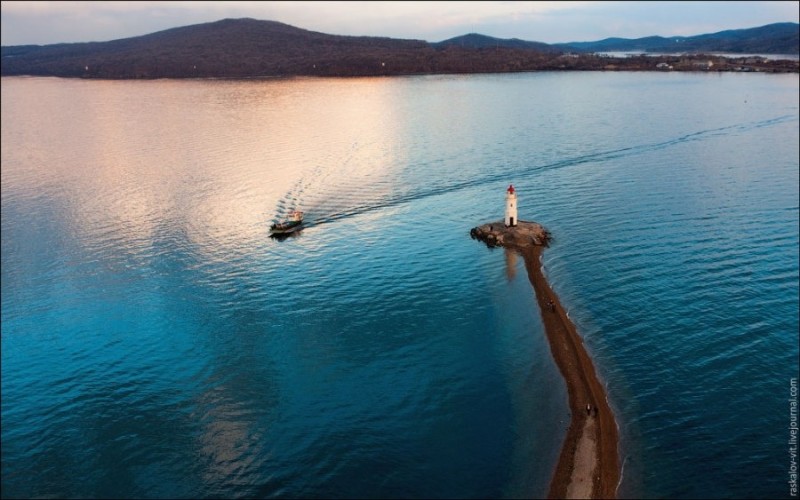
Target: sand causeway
588, 465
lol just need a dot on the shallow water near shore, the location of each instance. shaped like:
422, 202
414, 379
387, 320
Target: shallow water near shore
157, 343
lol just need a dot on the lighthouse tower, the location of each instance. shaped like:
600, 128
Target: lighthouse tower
511, 207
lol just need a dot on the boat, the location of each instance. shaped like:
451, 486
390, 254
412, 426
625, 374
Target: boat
292, 223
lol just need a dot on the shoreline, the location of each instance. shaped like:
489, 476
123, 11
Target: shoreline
588, 465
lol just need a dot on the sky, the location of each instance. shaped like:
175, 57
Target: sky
43, 22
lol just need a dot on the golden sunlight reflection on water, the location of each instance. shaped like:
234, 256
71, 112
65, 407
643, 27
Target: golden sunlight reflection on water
219, 163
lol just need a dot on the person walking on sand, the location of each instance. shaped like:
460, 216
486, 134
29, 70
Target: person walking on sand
551, 305
588, 409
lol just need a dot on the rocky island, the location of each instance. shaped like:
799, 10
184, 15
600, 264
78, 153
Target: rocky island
524, 234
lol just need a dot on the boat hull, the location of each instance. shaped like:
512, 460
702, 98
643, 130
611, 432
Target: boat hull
288, 226
286, 229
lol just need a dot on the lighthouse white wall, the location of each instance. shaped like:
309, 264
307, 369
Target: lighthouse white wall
511, 208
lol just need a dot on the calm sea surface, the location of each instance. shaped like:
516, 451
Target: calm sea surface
157, 343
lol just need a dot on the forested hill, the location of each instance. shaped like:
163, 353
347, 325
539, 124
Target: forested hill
477, 41
226, 48
241, 48
778, 38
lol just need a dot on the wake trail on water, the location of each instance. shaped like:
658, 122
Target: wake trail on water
329, 195
297, 199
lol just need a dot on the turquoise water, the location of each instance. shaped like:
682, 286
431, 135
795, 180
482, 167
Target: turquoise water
157, 343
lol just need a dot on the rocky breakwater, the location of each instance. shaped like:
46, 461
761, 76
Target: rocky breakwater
524, 234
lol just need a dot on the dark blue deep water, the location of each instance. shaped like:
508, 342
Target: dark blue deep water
157, 343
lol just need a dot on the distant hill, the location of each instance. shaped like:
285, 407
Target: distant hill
476, 41
239, 48
245, 48
230, 47
778, 38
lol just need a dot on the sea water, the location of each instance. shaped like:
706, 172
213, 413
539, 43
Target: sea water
156, 342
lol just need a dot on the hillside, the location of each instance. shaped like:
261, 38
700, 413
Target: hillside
779, 38
477, 41
227, 48
246, 48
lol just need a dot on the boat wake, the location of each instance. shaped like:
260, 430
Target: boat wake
329, 195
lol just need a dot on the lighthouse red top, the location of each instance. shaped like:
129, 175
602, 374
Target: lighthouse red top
511, 189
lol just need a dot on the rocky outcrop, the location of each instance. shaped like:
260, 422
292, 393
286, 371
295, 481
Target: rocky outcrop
524, 234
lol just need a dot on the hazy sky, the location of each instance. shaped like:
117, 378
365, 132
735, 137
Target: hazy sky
41, 22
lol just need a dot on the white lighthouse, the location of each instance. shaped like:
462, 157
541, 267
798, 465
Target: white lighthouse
511, 207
